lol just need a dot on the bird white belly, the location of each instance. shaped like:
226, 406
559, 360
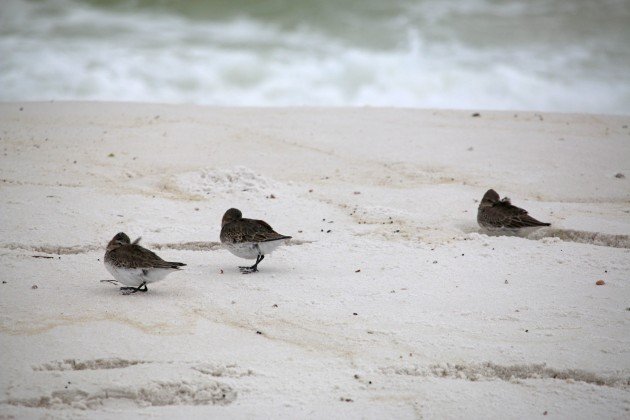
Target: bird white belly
269, 246
251, 250
135, 276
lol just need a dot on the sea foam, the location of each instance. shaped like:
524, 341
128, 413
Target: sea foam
474, 54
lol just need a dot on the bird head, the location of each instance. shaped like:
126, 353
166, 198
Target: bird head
490, 198
117, 241
230, 216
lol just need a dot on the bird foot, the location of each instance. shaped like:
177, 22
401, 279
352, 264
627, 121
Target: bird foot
131, 290
248, 270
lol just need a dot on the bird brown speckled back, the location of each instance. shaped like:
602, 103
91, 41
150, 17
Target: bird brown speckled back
495, 214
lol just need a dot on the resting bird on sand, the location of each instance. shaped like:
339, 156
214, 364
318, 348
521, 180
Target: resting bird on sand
494, 214
248, 238
135, 266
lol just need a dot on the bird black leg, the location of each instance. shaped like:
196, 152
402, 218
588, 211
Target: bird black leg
114, 282
130, 290
253, 268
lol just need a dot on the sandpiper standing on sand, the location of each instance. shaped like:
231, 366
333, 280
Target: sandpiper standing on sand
135, 266
248, 238
494, 214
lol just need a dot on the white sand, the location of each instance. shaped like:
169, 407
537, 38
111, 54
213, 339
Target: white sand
449, 322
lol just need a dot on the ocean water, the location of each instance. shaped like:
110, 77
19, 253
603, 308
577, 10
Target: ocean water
547, 55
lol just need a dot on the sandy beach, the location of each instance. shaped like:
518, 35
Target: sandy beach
389, 302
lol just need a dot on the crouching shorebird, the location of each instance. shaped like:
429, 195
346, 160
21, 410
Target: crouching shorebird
494, 214
248, 238
135, 266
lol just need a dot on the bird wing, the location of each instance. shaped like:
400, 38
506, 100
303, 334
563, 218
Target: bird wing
506, 215
249, 230
135, 256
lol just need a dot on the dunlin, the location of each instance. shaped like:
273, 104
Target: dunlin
248, 238
135, 266
494, 214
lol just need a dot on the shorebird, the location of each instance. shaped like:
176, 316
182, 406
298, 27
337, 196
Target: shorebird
248, 238
135, 266
494, 214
